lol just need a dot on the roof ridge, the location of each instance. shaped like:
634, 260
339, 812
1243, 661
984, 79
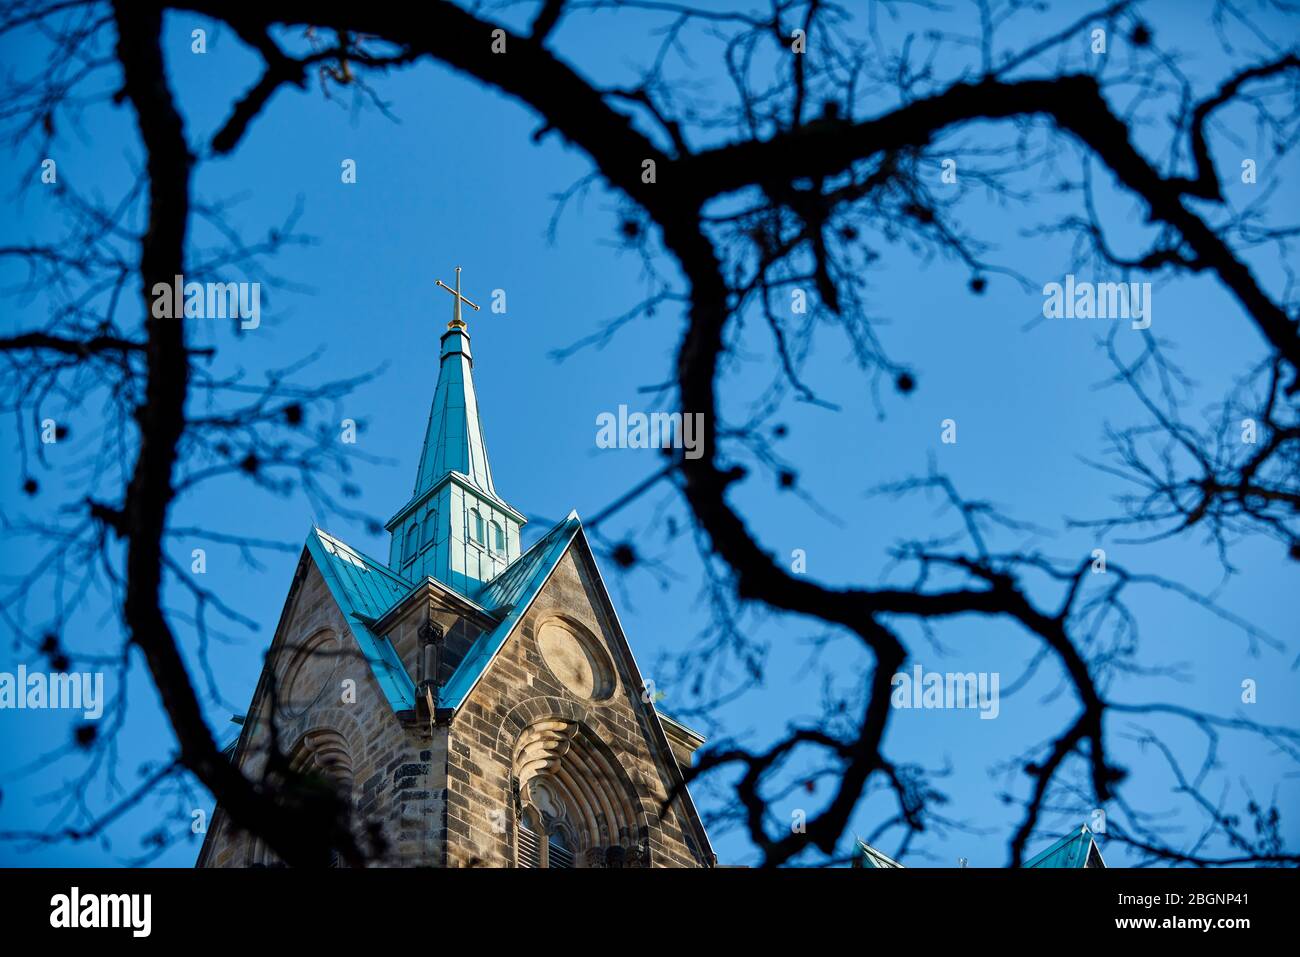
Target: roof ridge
1080, 833
505, 576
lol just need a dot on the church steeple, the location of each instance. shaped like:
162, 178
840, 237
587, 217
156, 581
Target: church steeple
455, 528
453, 441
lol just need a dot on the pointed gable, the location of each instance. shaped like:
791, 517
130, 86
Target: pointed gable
559, 661
1076, 849
511, 592
364, 585
873, 859
328, 697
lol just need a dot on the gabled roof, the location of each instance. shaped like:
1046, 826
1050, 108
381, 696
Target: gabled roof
512, 592
364, 589
511, 586
370, 585
868, 856
1076, 849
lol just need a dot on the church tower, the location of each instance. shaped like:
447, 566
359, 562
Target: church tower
455, 527
474, 703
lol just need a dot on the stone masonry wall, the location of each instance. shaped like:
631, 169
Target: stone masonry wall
446, 799
397, 775
517, 690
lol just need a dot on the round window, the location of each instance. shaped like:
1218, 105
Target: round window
310, 668
577, 659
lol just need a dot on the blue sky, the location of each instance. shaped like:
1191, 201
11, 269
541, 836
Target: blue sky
457, 180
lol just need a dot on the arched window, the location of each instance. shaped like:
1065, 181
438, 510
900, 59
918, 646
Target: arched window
412, 536
323, 755
498, 538
576, 807
476, 525
426, 533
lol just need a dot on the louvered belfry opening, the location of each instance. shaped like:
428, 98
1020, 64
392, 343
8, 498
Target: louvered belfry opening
530, 848
558, 855
530, 851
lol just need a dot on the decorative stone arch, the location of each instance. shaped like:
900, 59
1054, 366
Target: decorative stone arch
325, 752
332, 719
568, 783
326, 749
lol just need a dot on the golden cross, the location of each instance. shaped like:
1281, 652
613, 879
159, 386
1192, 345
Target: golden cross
457, 321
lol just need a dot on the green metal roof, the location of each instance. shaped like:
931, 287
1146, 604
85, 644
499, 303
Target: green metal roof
364, 589
1076, 849
514, 589
868, 856
668, 719
453, 441
454, 527
511, 586
370, 586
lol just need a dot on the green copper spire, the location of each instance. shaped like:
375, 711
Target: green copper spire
454, 439
454, 528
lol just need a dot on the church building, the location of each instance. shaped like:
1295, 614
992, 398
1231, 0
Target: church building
476, 703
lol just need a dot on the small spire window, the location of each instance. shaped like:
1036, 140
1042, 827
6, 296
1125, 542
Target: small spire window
498, 538
412, 536
476, 525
